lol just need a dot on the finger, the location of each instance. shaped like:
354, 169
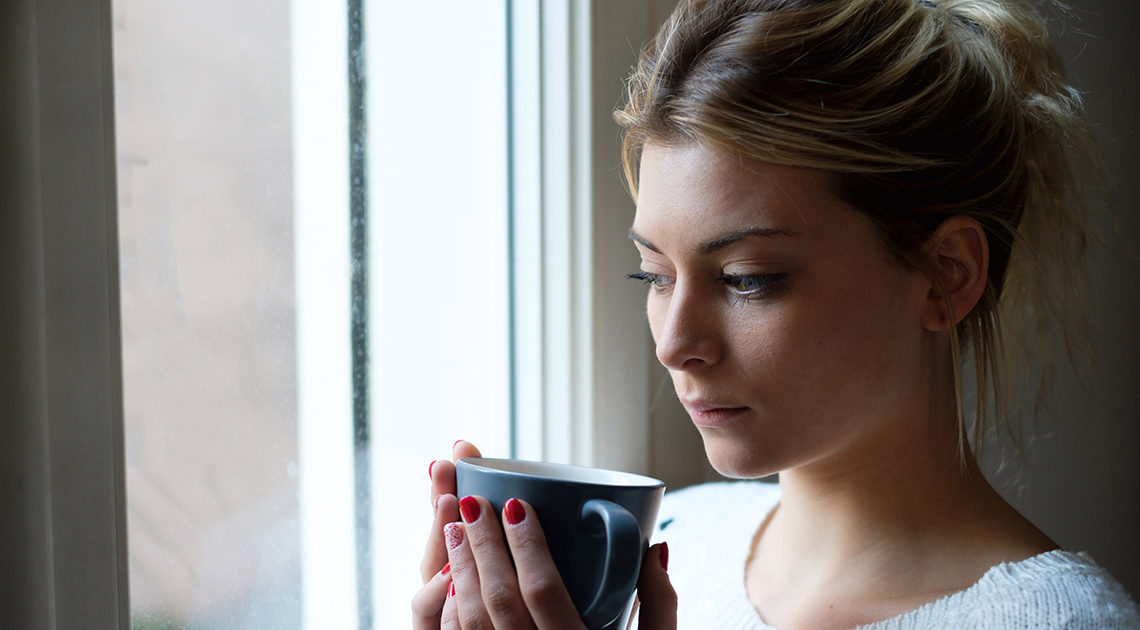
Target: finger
428, 603
542, 589
463, 448
435, 552
658, 600
498, 584
442, 473
465, 578
449, 618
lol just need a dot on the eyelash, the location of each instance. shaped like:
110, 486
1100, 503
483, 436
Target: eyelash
768, 283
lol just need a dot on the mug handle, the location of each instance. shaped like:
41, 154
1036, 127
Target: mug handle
622, 561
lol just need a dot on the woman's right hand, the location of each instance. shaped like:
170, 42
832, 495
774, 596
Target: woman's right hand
427, 606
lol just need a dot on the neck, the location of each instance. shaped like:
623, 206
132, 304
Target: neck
899, 493
879, 527
912, 476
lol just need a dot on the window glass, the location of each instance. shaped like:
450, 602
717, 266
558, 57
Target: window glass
203, 140
233, 165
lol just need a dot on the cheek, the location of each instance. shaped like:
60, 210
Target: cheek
656, 310
833, 347
862, 350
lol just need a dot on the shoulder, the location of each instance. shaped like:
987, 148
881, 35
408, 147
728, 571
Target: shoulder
1071, 588
1056, 589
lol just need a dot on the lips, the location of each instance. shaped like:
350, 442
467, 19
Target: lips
706, 413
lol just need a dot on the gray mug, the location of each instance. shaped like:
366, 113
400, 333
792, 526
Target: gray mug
597, 524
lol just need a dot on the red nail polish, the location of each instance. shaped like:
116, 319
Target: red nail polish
514, 511
456, 443
430, 467
469, 508
453, 534
451, 593
446, 569
663, 556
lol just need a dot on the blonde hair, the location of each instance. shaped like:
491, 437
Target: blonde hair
921, 111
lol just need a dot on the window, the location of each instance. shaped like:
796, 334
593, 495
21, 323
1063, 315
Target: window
347, 240
243, 138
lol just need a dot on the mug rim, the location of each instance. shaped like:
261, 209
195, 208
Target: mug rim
565, 473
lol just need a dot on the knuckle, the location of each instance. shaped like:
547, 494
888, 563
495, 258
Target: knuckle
544, 591
471, 619
500, 599
425, 604
479, 543
526, 541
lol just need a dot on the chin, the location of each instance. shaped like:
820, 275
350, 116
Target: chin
739, 459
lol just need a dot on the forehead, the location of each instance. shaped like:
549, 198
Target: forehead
696, 190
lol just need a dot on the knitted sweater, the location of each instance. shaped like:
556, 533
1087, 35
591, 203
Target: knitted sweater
710, 530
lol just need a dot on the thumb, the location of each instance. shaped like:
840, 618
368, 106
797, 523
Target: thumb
655, 592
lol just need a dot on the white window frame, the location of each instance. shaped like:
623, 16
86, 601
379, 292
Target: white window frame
582, 351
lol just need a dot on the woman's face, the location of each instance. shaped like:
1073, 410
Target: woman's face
792, 337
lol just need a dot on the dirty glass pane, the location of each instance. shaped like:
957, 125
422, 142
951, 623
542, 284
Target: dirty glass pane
204, 147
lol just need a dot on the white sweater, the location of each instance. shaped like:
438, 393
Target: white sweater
710, 529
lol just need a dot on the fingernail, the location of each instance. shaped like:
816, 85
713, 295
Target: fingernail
455, 444
514, 511
451, 591
663, 556
430, 467
469, 509
446, 569
453, 534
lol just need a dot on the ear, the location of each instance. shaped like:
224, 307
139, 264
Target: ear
960, 255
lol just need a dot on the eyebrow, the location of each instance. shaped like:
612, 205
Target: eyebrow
721, 241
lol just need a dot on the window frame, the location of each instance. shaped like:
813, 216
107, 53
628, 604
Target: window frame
579, 331
65, 385
63, 477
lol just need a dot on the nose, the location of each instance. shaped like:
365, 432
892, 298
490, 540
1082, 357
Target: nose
687, 330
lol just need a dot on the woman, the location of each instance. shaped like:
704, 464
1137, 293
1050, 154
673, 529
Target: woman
835, 200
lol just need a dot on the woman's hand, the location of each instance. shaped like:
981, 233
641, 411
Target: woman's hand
427, 605
657, 600
488, 591
470, 580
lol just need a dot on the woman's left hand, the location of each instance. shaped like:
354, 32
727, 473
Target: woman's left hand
487, 590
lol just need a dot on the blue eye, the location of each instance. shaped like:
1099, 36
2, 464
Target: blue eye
753, 286
746, 287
